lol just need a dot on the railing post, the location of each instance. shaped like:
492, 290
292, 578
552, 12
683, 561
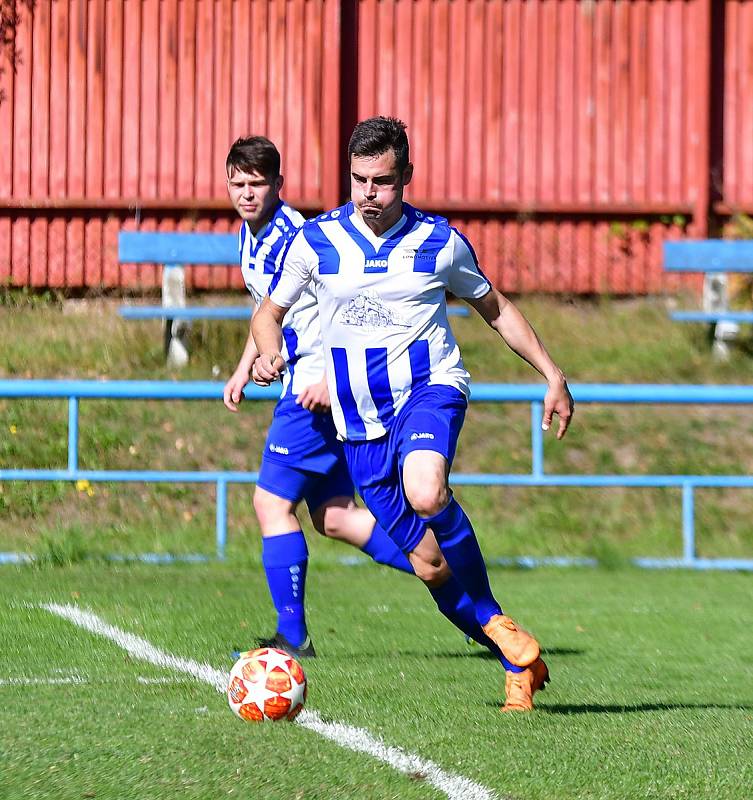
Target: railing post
688, 523
537, 439
72, 434
221, 519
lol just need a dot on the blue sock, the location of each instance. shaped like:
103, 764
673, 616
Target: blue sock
459, 546
457, 606
384, 551
285, 559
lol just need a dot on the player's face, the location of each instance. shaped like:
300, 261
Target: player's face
254, 196
376, 189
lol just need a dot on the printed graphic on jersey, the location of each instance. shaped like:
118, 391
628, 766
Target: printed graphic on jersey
367, 310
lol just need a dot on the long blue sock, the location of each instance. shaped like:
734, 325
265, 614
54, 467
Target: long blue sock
458, 543
384, 551
458, 607
285, 559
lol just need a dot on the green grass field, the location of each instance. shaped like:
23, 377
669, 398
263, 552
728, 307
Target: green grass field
651, 694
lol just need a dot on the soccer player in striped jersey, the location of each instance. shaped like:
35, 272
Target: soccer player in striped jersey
380, 269
302, 459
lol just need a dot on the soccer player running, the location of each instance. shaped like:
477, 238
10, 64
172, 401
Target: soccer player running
302, 459
380, 269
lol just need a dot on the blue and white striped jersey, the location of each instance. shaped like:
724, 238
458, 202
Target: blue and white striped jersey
382, 309
260, 256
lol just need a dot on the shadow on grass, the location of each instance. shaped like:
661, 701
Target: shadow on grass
469, 651
562, 651
593, 708
478, 651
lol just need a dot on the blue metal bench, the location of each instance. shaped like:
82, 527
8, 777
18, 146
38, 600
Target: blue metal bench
174, 251
714, 258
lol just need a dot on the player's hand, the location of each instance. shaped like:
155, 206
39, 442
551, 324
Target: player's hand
233, 392
315, 398
559, 401
268, 368
255, 377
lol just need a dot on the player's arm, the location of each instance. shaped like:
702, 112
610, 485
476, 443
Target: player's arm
466, 280
266, 329
233, 392
292, 276
503, 316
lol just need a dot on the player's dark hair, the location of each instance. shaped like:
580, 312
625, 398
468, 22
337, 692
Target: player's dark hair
377, 135
254, 154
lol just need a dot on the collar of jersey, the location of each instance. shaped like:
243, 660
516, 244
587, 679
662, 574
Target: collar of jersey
384, 243
255, 241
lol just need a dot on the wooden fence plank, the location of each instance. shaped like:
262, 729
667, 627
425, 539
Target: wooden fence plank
511, 102
307, 182
22, 111
40, 137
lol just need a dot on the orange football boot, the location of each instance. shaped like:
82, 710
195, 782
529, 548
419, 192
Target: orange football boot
521, 686
518, 646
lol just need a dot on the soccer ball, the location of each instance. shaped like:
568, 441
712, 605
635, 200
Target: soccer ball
266, 684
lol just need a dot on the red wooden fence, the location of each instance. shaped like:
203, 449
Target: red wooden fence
544, 125
568, 138
120, 115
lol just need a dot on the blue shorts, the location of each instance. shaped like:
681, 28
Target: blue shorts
431, 419
303, 459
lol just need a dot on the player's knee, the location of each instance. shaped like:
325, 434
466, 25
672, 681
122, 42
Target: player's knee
268, 510
433, 572
261, 508
427, 498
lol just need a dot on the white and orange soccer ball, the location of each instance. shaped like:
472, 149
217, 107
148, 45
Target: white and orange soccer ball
266, 684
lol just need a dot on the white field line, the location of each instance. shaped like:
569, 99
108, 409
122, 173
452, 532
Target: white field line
455, 787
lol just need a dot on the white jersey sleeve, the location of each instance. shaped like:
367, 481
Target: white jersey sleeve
465, 278
295, 272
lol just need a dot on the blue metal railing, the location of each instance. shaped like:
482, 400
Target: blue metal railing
74, 391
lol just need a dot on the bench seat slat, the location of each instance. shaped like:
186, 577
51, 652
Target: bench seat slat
708, 255
175, 312
712, 316
162, 247
216, 312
